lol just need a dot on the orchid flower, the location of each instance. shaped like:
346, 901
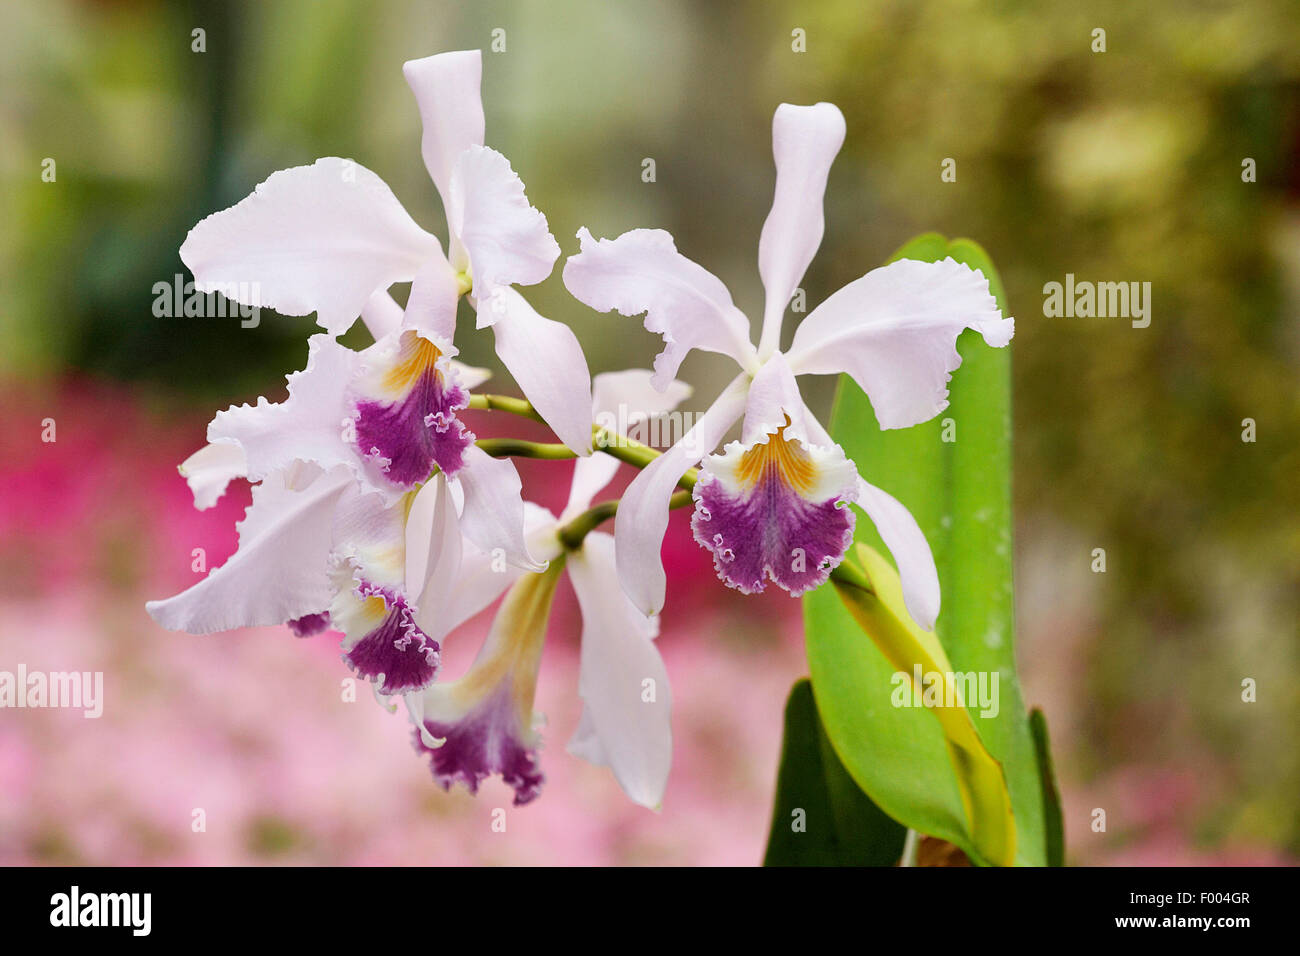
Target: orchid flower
318, 548
366, 480
773, 505
331, 238
483, 722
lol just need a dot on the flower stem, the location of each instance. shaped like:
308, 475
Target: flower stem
626, 450
504, 403
519, 448
571, 534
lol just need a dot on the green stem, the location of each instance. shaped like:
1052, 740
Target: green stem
626, 450
571, 534
519, 448
504, 403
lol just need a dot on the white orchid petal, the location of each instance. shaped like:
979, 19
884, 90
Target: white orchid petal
434, 553
506, 239
630, 397
773, 398
590, 476
903, 536
642, 271
447, 92
895, 331
805, 141
279, 572
210, 469
308, 426
369, 541
431, 308
320, 238
469, 376
547, 362
481, 578
381, 314
622, 681
642, 515
493, 515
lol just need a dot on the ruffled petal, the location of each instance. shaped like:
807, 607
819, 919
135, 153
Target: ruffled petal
547, 363
483, 722
895, 331
310, 425
805, 141
280, 570
622, 680
210, 469
505, 239
642, 515
381, 641
320, 238
381, 552
777, 510
405, 402
370, 538
642, 271
447, 92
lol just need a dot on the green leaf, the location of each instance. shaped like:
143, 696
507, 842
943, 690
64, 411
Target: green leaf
870, 589
821, 817
960, 494
1053, 822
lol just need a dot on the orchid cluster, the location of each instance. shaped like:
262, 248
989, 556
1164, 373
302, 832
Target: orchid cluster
376, 513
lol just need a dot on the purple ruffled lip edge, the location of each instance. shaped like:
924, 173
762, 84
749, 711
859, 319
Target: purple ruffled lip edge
484, 742
407, 438
771, 534
397, 650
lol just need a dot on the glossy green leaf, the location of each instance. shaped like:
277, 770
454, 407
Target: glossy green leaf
821, 817
960, 493
870, 589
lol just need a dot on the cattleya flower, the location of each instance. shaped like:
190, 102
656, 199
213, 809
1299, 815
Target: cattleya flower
318, 547
483, 722
331, 238
773, 505
366, 480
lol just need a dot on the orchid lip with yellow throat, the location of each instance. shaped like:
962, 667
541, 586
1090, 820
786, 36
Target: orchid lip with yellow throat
775, 510
382, 642
406, 405
484, 720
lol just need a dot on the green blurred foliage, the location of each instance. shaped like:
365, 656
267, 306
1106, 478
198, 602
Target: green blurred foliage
1115, 166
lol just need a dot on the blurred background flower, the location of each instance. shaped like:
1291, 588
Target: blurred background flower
1116, 166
